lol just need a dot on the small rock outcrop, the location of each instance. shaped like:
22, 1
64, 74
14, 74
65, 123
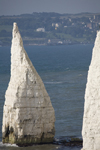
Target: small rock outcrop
28, 115
91, 119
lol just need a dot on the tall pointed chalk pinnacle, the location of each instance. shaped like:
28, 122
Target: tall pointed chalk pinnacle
28, 115
91, 119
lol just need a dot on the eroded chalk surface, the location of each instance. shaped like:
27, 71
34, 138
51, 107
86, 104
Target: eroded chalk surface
91, 119
28, 115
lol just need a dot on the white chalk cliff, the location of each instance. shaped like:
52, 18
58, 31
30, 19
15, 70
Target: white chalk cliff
28, 115
91, 119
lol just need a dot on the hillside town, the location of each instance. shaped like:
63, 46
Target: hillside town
51, 28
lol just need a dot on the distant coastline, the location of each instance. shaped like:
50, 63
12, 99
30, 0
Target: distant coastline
52, 44
51, 28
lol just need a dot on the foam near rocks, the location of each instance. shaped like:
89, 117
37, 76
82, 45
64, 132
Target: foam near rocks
7, 145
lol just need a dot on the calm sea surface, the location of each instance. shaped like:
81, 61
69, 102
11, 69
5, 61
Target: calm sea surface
63, 70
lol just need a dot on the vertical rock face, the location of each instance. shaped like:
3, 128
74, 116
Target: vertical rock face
91, 120
28, 115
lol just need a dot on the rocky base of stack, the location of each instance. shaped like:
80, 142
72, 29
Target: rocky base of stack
27, 140
42, 133
25, 130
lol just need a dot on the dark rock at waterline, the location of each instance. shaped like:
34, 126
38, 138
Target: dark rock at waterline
69, 141
72, 142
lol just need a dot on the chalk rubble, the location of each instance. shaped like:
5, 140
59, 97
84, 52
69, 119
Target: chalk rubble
91, 119
28, 115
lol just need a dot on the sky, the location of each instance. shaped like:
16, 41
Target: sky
17, 7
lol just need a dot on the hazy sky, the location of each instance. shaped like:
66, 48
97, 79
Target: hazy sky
16, 7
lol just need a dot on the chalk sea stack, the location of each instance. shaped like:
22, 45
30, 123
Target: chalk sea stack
28, 115
91, 119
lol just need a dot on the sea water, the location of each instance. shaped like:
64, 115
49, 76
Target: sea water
63, 70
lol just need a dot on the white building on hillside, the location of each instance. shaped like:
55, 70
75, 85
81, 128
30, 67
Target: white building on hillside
40, 30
